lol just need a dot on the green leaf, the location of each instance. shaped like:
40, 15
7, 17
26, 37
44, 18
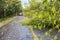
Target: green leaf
40, 38
30, 28
53, 9
54, 21
47, 33
59, 30
55, 37
35, 26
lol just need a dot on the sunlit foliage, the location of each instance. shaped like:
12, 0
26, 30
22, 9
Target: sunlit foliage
45, 14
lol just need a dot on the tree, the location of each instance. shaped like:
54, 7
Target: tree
9, 7
43, 13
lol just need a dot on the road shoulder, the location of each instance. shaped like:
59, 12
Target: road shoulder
7, 21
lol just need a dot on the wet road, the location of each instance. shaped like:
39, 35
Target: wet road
41, 33
15, 31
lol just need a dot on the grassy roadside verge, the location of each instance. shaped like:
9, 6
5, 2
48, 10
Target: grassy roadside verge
6, 20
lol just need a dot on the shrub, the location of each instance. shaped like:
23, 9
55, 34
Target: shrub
24, 22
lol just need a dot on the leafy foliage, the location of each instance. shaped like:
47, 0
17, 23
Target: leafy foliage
45, 14
25, 22
9, 7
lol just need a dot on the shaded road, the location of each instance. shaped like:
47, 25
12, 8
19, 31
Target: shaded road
15, 31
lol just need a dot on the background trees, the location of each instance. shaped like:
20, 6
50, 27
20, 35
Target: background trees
9, 7
43, 13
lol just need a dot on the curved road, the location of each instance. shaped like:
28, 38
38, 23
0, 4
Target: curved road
15, 31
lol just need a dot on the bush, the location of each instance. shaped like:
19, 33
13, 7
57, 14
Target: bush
24, 22
45, 15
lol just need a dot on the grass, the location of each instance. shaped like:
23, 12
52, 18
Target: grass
5, 18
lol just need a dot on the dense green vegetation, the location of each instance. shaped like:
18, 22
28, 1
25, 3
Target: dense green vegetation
44, 14
9, 8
